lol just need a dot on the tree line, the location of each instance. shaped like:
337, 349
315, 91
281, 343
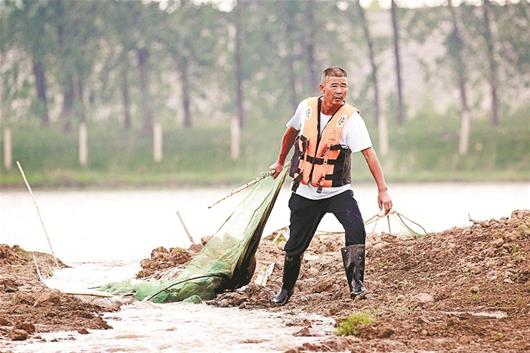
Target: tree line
74, 60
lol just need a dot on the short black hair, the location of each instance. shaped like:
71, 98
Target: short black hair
333, 71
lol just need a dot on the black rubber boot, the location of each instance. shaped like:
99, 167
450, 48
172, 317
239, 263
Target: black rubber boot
291, 269
353, 257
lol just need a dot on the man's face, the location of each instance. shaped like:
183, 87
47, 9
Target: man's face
334, 89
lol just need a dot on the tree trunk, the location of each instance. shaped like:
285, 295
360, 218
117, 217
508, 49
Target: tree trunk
292, 81
380, 120
310, 25
291, 72
68, 103
185, 85
239, 73
67, 79
465, 117
81, 99
40, 83
401, 108
126, 101
143, 66
492, 64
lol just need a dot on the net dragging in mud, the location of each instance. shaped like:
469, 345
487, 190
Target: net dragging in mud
226, 262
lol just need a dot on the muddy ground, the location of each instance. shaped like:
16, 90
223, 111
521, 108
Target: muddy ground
464, 289
28, 307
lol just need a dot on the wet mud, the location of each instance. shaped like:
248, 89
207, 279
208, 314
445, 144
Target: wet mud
28, 307
464, 289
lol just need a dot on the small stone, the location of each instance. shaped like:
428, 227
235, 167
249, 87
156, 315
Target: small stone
385, 332
497, 242
464, 340
305, 332
400, 297
223, 303
507, 280
424, 298
378, 246
26, 326
10, 286
474, 289
4, 322
18, 335
23, 298
424, 332
83, 331
47, 298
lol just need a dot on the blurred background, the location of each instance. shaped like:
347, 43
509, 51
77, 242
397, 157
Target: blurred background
194, 92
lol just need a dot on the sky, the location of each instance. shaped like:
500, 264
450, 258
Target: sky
227, 5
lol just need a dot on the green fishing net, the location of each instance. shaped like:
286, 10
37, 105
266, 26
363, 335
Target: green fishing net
226, 262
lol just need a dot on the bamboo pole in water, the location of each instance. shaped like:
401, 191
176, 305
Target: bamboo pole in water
185, 228
38, 212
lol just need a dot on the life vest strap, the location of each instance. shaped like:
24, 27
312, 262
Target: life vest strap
316, 160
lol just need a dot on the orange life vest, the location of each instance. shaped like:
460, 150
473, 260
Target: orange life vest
319, 158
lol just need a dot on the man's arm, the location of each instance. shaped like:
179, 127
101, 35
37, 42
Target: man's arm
287, 142
383, 198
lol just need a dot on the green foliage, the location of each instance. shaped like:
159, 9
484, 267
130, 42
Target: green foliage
350, 325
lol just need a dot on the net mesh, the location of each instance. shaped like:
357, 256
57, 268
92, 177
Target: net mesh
226, 261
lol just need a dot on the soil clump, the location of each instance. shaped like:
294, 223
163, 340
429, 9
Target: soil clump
465, 289
163, 261
28, 307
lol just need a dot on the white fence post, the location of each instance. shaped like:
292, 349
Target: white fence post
235, 137
157, 142
7, 149
83, 150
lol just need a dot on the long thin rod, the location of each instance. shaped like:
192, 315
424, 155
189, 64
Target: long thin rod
185, 228
243, 187
38, 212
37, 268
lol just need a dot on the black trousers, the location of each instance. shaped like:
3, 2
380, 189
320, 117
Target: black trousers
306, 214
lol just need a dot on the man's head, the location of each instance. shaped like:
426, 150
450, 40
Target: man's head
334, 85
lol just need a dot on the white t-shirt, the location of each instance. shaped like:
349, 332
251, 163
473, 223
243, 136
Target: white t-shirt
354, 135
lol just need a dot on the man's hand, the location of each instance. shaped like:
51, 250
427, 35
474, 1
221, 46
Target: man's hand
384, 201
277, 168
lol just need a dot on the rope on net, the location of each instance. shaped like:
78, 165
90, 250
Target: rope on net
400, 217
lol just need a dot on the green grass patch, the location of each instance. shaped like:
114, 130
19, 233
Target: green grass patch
425, 149
351, 324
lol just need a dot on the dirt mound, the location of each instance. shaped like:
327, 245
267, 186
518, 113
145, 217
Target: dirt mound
28, 307
464, 288
162, 258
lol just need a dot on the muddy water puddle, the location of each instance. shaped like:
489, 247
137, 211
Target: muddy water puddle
182, 327
172, 327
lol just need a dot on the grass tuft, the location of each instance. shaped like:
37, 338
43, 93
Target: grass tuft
350, 325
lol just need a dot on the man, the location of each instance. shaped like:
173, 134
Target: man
327, 130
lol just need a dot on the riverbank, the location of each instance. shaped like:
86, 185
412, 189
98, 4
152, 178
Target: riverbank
28, 307
464, 289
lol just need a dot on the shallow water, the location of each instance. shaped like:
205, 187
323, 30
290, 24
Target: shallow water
181, 327
173, 327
